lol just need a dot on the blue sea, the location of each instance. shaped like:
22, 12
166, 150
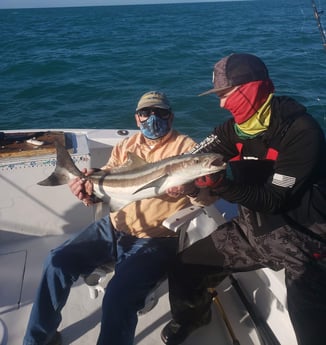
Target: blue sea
86, 67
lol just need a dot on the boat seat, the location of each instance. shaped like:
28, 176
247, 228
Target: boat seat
191, 223
194, 223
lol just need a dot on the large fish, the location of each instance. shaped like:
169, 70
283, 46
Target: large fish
137, 179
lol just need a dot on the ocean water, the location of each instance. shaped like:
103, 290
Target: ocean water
86, 67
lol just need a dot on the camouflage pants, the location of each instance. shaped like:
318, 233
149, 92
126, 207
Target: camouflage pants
232, 248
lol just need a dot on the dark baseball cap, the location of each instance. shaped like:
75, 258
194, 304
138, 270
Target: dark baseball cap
237, 69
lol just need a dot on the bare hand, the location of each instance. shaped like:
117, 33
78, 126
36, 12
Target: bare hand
82, 188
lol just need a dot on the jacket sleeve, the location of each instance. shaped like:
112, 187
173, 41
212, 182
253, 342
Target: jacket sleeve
295, 171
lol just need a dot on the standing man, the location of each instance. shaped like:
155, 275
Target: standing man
277, 154
133, 238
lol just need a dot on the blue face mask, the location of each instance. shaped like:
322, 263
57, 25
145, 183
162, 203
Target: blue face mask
154, 127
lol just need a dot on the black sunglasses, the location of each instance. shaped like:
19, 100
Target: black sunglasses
162, 113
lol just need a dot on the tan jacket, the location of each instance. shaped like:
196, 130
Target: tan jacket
144, 218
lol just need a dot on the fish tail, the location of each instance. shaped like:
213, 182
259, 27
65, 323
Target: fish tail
64, 169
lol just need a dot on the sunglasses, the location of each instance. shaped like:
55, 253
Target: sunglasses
162, 113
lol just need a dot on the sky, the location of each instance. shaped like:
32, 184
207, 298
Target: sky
65, 3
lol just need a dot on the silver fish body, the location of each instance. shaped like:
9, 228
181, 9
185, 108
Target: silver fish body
137, 179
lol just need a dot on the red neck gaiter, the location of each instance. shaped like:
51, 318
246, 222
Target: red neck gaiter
248, 98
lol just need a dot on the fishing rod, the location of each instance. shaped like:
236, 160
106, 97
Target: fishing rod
317, 15
227, 322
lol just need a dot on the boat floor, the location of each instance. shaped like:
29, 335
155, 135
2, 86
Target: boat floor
21, 262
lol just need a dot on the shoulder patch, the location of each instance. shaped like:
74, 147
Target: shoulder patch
283, 180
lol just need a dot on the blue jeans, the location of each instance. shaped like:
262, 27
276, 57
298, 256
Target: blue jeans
140, 264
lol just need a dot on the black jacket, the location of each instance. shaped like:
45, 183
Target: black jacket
279, 176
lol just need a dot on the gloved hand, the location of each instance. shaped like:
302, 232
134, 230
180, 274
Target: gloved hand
211, 180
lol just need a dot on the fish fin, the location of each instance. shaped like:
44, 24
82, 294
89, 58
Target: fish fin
65, 167
134, 160
54, 180
153, 184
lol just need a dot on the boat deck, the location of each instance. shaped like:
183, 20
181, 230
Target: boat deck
35, 219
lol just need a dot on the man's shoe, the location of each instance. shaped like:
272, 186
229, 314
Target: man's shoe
56, 340
174, 333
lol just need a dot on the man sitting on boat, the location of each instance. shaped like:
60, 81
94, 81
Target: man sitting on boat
133, 238
277, 154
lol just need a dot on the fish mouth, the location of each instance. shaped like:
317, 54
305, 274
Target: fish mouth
217, 162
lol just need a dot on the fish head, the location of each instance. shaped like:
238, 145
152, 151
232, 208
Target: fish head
208, 163
192, 166
201, 164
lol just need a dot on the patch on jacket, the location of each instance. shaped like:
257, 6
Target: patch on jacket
283, 180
